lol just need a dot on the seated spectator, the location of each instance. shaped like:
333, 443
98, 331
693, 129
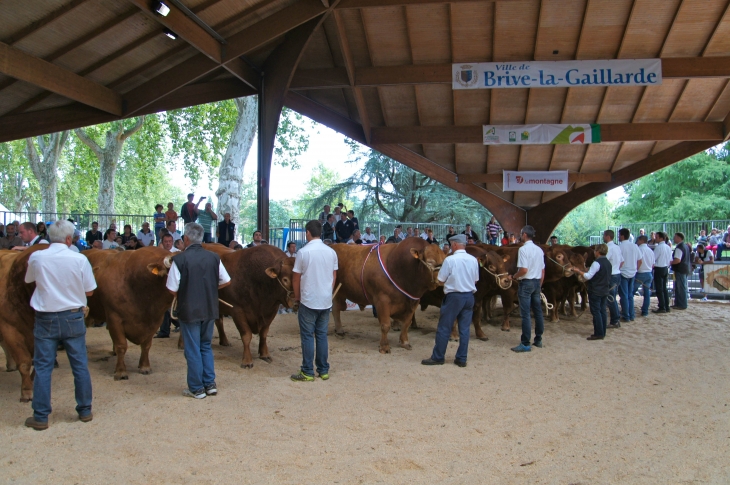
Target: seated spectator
291, 249
119, 243
713, 240
355, 237
127, 234
451, 233
166, 242
162, 233
133, 243
172, 229
409, 232
113, 226
29, 236
471, 241
235, 245
401, 234
170, 214
2, 230
110, 240
41, 230
226, 230
94, 234
512, 239
381, 240
257, 239
10, 240
703, 256
429, 237
97, 244
723, 245
469, 233
505, 239
395, 238
145, 236
368, 237
447, 248
702, 238
424, 234
417, 233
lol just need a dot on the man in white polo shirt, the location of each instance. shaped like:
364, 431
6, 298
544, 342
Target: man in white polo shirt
315, 271
459, 274
643, 275
63, 280
632, 260
530, 273
616, 259
145, 236
662, 259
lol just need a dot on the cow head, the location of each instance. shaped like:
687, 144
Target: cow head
495, 265
282, 271
557, 259
432, 257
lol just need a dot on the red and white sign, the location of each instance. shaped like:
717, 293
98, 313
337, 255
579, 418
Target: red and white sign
554, 181
354, 306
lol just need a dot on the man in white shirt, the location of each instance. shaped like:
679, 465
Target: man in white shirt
63, 279
172, 228
616, 259
315, 271
643, 275
459, 274
368, 237
632, 261
29, 236
530, 273
145, 236
424, 234
662, 259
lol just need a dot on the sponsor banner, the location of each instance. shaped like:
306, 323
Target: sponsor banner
557, 74
554, 181
576, 134
717, 279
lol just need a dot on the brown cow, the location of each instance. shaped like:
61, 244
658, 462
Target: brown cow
131, 297
492, 277
558, 290
508, 295
261, 280
413, 265
17, 317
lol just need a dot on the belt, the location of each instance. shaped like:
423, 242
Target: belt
73, 310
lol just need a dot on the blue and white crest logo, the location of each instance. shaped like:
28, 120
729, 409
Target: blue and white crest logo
467, 76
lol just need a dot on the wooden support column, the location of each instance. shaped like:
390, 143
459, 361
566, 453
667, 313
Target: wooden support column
546, 217
277, 75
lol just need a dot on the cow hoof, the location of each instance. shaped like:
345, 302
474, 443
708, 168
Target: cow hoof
406, 346
483, 339
247, 366
452, 339
385, 350
339, 334
225, 343
145, 372
11, 369
505, 329
26, 399
395, 329
122, 377
268, 360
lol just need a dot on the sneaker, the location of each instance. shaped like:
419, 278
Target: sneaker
521, 348
196, 395
659, 310
36, 425
86, 418
302, 377
176, 329
211, 390
537, 344
324, 377
594, 337
704, 299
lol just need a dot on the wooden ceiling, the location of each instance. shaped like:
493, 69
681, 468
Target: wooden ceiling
380, 72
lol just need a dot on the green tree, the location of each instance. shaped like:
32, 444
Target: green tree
588, 219
43, 161
694, 189
19, 189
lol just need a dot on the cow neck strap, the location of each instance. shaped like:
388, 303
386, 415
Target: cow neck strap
561, 265
497, 277
362, 272
385, 270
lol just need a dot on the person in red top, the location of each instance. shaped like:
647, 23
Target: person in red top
189, 211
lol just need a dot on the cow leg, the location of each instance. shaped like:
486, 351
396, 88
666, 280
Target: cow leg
475, 320
263, 347
222, 337
507, 302
144, 357
403, 341
337, 305
454, 337
119, 342
20, 353
239, 318
413, 321
384, 319
10, 364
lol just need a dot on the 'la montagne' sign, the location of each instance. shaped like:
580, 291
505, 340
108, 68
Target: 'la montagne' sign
557, 74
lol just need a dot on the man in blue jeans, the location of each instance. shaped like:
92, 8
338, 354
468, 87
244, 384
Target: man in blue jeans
315, 271
63, 279
643, 276
459, 274
682, 266
530, 273
616, 259
195, 277
632, 262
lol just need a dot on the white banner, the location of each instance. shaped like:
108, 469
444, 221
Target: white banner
557, 74
577, 134
554, 181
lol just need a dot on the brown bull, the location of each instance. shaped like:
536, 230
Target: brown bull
492, 277
508, 295
131, 297
413, 265
558, 290
261, 280
17, 317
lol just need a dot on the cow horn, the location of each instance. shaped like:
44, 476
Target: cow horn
167, 261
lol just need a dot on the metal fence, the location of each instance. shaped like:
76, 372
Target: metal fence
690, 229
83, 221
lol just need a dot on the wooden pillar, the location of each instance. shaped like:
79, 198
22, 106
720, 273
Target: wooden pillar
277, 74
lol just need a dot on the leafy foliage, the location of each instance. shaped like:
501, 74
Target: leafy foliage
588, 219
19, 190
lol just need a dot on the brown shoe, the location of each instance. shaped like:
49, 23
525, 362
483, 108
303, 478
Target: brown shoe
87, 418
594, 337
36, 425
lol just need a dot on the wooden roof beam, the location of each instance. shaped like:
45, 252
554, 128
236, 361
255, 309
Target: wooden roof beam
672, 68
19, 65
616, 132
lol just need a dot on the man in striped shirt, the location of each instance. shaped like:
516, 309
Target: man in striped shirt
493, 230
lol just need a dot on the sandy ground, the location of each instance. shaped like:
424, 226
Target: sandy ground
647, 405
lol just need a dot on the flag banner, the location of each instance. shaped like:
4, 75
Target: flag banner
554, 181
557, 74
575, 134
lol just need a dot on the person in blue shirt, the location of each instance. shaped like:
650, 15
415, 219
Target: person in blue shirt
159, 218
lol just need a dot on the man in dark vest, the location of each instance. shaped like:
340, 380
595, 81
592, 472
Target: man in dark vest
682, 266
598, 282
195, 277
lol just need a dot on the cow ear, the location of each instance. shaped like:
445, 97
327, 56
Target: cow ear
271, 272
414, 253
157, 269
506, 258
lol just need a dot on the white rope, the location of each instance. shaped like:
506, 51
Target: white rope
548, 306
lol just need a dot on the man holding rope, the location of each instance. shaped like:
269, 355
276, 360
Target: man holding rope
530, 273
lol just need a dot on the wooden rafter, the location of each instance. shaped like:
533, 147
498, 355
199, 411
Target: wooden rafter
42, 22
19, 65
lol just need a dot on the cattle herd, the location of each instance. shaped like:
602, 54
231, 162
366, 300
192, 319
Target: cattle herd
132, 299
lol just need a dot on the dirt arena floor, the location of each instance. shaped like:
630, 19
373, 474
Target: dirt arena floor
647, 405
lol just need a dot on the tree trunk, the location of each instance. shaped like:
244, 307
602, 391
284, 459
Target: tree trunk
230, 176
45, 165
